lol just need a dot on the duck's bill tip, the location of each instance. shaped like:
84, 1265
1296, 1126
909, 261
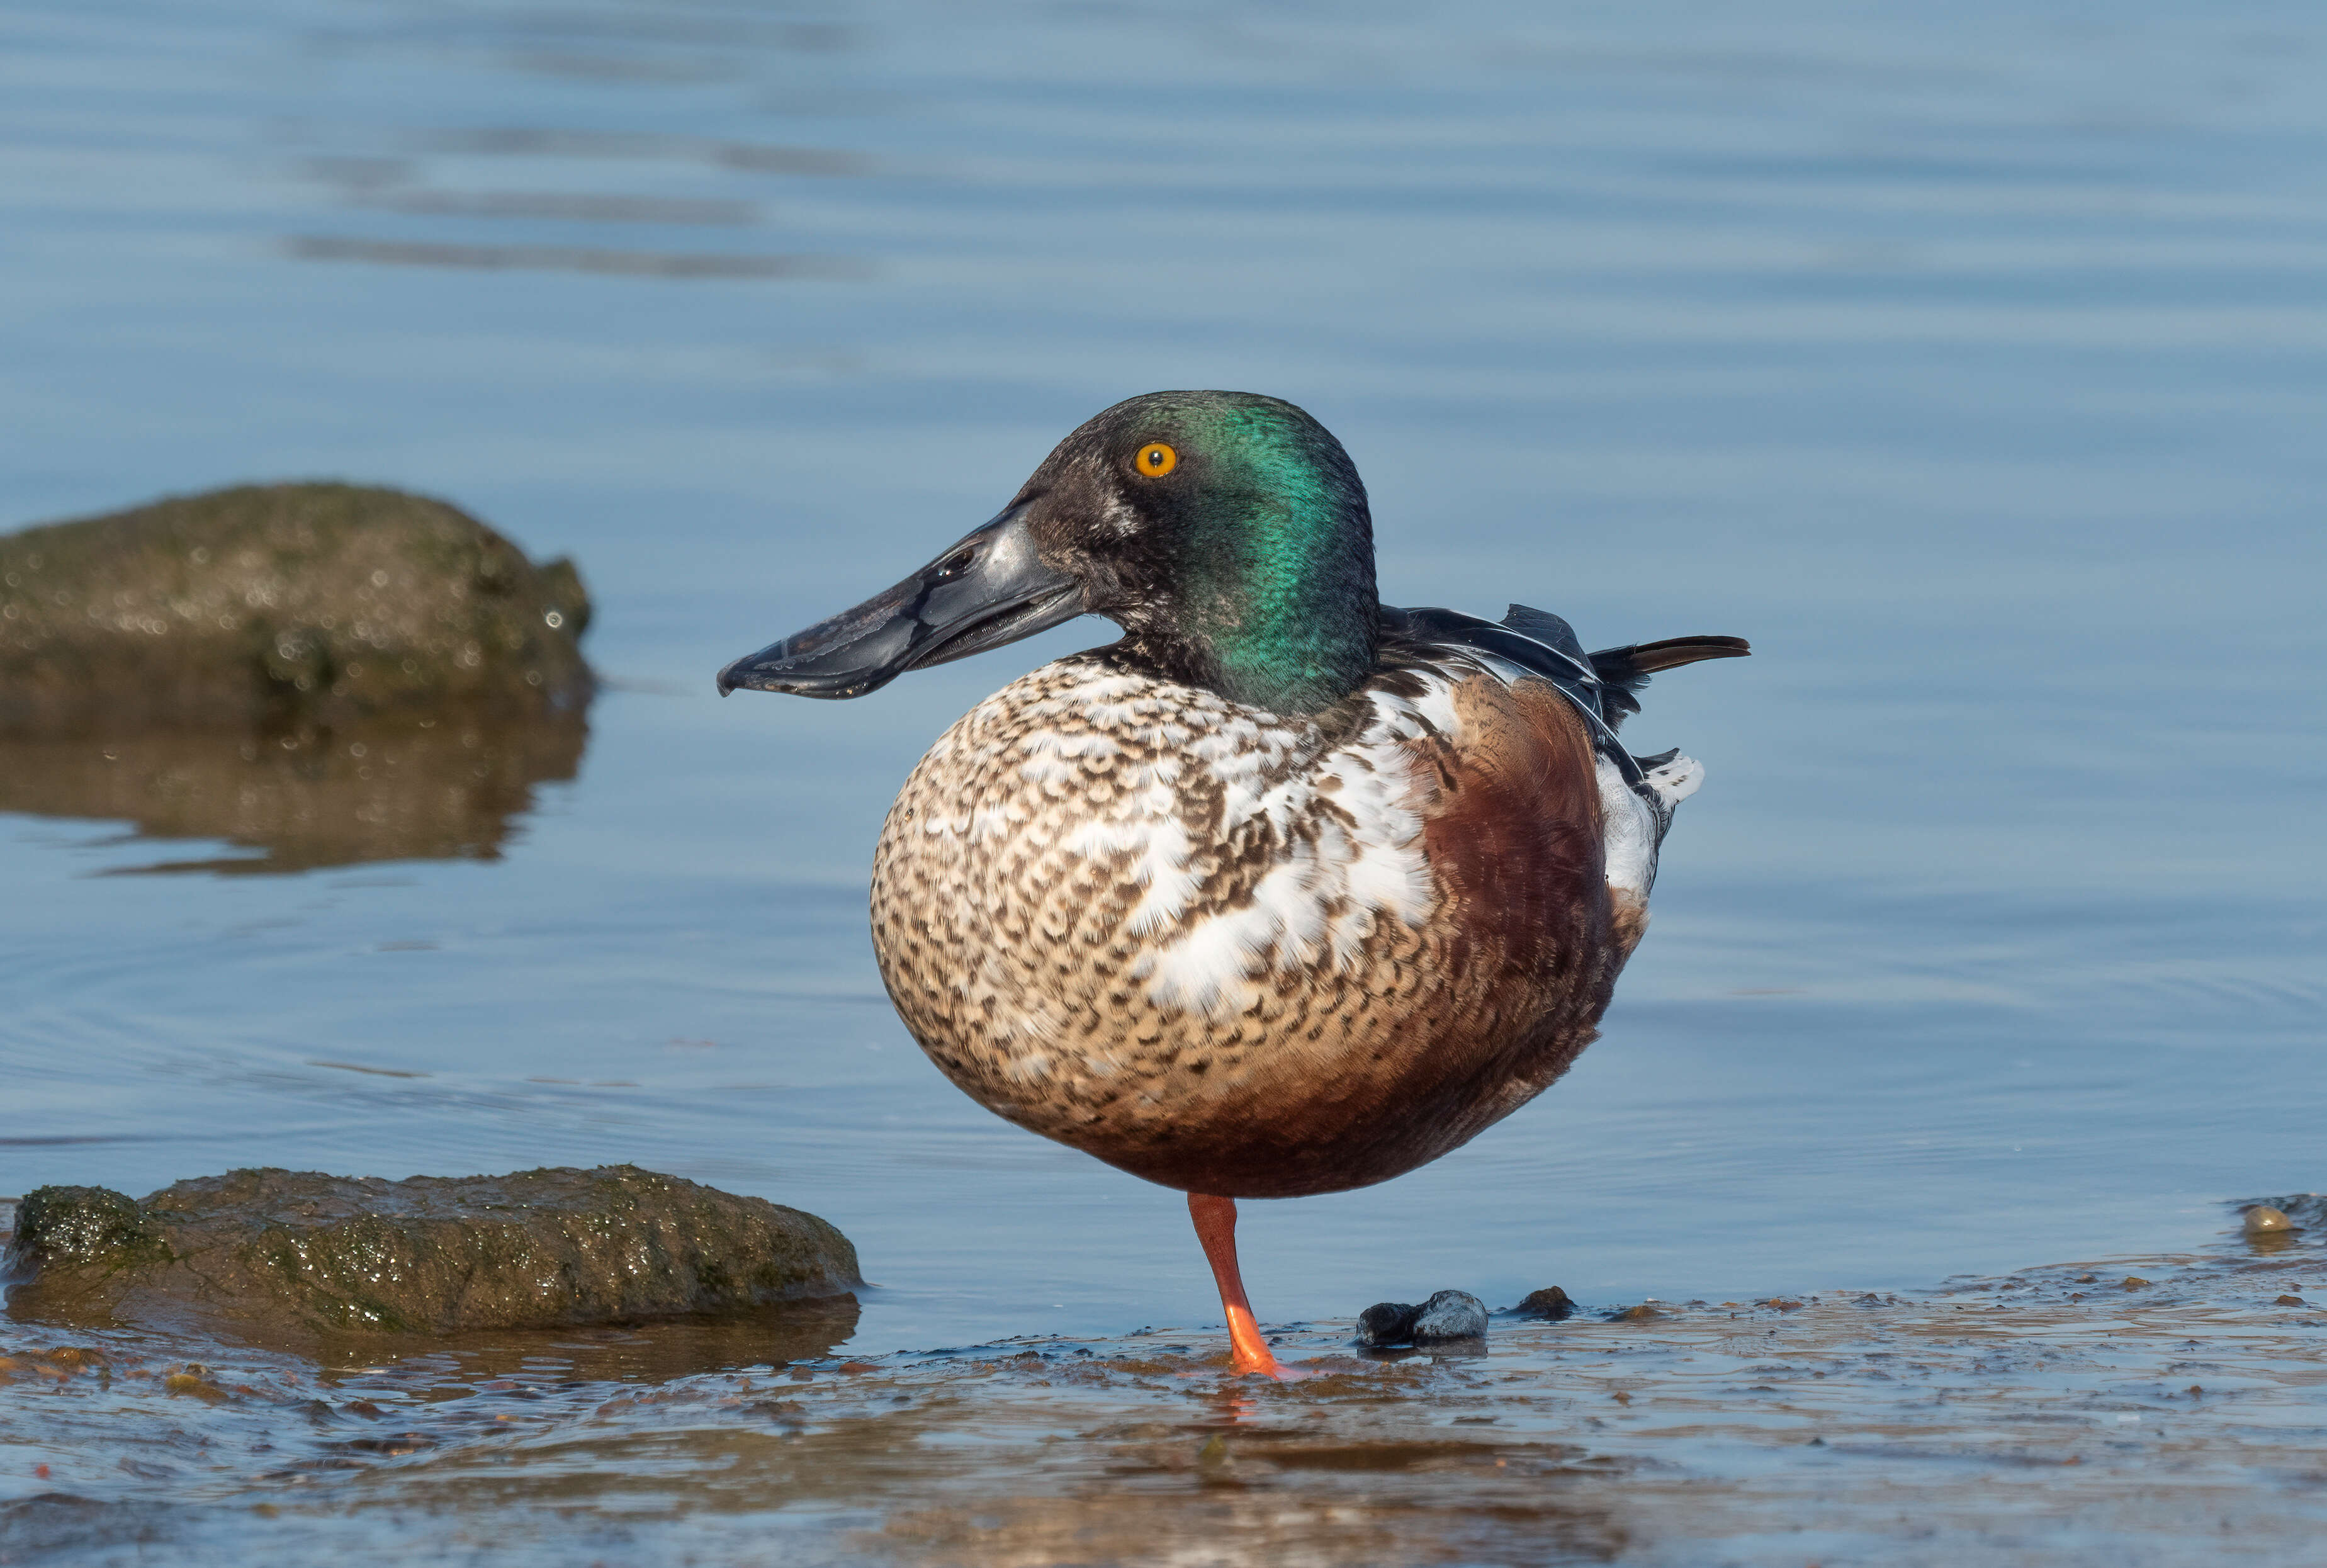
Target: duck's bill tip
989, 589
850, 670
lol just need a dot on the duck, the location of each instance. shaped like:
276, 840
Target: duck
1284, 891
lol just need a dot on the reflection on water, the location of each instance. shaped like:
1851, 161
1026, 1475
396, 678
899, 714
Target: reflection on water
540, 142
426, 171
444, 788
647, 1353
570, 259
577, 209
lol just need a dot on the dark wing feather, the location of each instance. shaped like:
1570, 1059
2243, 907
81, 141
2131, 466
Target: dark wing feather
1542, 645
1552, 630
1604, 685
1601, 686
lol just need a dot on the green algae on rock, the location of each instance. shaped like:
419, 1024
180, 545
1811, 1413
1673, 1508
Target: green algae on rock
262, 602
270, 1255
90, 1227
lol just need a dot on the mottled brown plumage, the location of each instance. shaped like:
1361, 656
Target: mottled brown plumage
1019, 962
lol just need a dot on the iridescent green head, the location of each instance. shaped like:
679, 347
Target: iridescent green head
1226, 533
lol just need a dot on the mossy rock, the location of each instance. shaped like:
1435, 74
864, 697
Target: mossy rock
90, 1227
289, 603
275, 1255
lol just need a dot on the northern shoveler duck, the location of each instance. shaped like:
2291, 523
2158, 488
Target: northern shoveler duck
1286, 892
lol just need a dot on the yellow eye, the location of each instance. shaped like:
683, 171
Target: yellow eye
1155, 460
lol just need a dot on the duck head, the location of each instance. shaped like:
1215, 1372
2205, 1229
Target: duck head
1226, 533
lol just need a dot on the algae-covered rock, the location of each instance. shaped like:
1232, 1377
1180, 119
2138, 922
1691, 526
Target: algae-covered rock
321, 601
90, 1227
270, 1254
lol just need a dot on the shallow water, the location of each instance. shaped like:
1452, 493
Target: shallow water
1972, 369
2073, 1413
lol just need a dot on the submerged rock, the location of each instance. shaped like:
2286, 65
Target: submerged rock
2263, 1219
320, 602
270, 1254
1388, 1323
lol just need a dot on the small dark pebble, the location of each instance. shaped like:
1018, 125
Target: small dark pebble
2135, 1283
1451, 1315
2290, 1301
1388, 1323
1550, 1301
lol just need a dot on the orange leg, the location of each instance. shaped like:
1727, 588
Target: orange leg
1215, 1220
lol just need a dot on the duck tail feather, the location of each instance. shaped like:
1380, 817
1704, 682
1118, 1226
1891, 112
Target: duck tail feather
1624, 671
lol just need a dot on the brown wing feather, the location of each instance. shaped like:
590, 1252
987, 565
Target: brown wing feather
1514, 838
